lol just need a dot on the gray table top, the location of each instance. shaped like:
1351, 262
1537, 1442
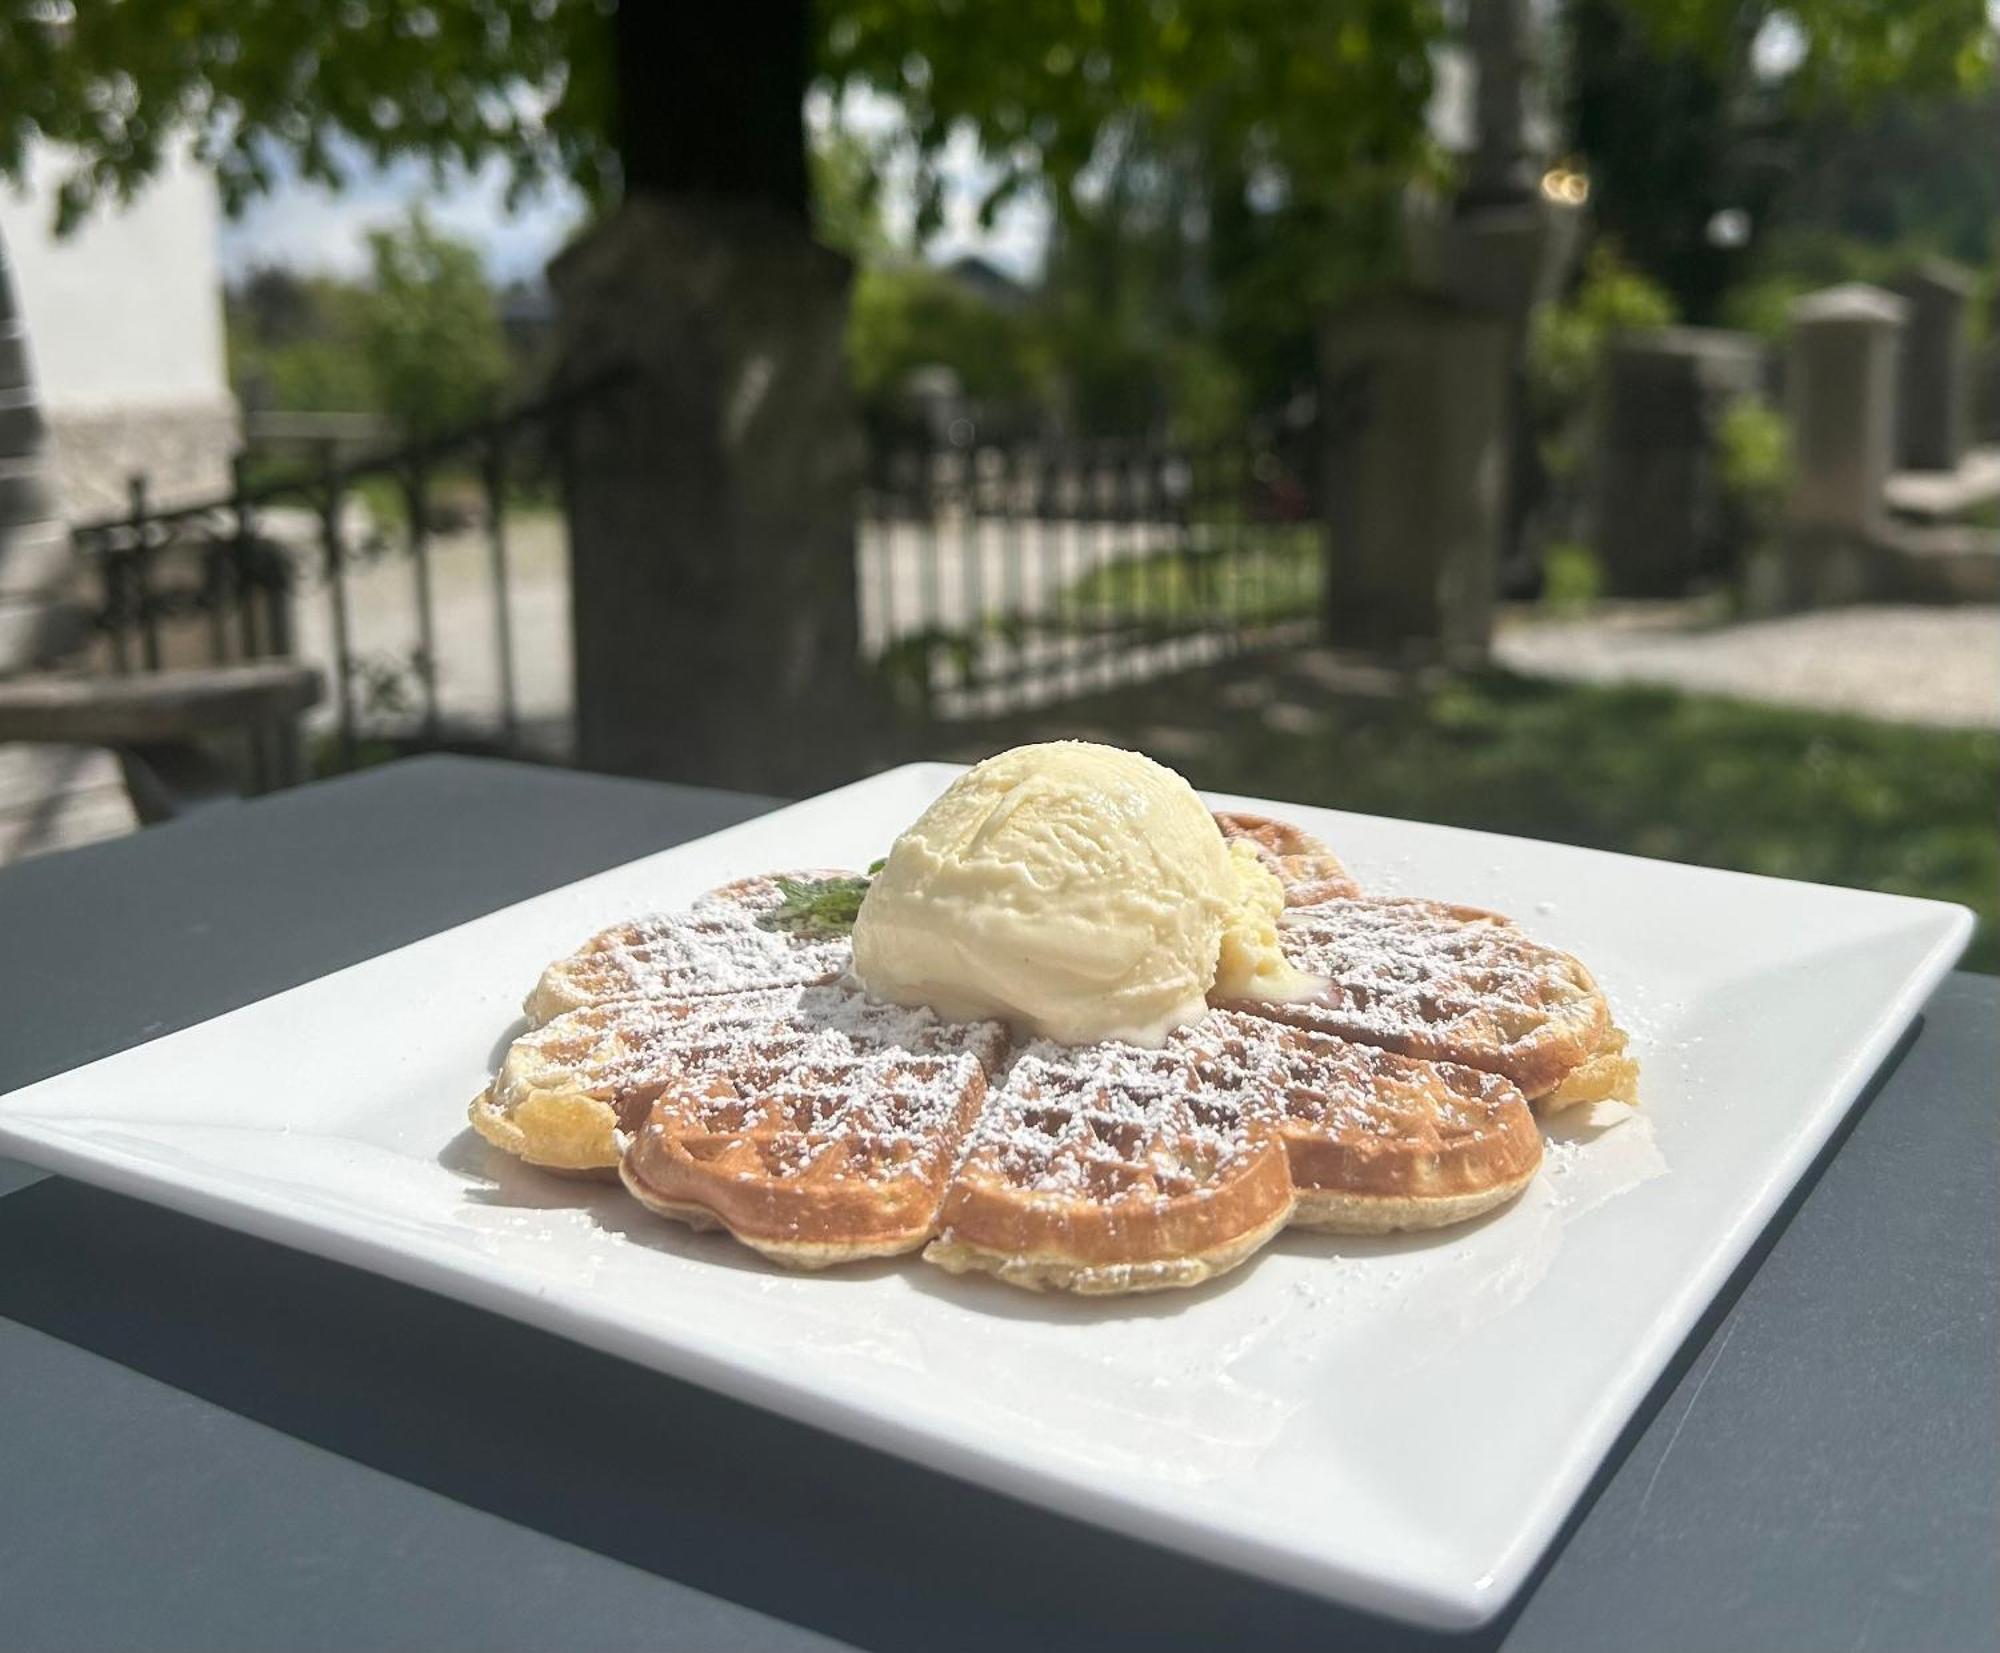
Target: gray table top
210, 1441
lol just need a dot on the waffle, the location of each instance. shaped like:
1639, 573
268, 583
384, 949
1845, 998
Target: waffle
569, 1086
1455, 984
1107, 1168
1308, 870
820, 1127
735, 1080
724, 944
572, 1092
1378, 1142
821, 1141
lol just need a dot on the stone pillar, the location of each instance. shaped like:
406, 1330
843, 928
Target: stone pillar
1935, 386
1656, 491
1414, 392
1501, 168
1502, 259
1502, 245
1840, 391
712, 497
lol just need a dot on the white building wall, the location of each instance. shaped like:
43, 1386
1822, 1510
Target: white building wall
125, 332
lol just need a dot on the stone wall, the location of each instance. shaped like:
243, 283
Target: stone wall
183, 451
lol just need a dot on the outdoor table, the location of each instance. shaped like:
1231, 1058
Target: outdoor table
210, 1441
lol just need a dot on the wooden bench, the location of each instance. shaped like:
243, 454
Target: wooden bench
156, 721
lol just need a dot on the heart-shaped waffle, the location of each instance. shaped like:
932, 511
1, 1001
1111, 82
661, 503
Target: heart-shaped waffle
1105, 1168
822, 1135
1456, 984
728, 942
715, 1060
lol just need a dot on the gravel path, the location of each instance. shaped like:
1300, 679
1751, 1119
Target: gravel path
1907, 665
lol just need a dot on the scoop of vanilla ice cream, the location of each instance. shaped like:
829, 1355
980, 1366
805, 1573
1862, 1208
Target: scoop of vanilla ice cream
1251, 963
1078, 891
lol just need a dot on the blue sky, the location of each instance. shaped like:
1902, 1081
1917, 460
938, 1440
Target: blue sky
309, 227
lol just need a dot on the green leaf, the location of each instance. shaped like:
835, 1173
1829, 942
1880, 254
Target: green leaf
817, 908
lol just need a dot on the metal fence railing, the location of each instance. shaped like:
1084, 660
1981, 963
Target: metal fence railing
992, 578
431, 581
339, 561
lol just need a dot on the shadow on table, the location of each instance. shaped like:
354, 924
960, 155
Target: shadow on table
620, 1460
642, 1468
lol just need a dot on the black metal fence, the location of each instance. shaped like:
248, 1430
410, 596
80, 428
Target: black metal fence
989, 579
995, 578
325, 546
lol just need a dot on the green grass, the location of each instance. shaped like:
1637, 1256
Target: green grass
1573, 578
1798, 794
1256, 575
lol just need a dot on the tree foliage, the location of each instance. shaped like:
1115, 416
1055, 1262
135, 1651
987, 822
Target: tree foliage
295, 343
1313, 100
1566, 348
1671, 136
431, 331
420, 342
1317, 99
908, 316
1922, 176
1216, 168
847, 199
119, 81
1854, 52
1685, 110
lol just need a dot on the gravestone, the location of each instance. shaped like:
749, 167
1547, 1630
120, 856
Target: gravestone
711, 497
1415, 388
1840, 391
1659, 518
1934, 385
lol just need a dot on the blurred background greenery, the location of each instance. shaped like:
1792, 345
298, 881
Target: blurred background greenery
1209, 181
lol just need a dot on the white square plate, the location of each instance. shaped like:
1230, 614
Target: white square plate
1398, 1423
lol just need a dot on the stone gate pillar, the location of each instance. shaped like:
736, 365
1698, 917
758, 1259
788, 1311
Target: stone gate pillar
1414, 398
1840, 390
1934, 385
1840, 394
712, 498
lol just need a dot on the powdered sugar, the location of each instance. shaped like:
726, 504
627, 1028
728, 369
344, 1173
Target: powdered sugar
723, 945
753, 1049
1114, 1121
1406, 971
803, 1068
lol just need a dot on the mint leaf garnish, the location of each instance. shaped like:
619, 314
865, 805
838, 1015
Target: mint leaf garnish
817, 908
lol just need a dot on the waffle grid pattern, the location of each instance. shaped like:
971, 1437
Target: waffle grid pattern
769, 1097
